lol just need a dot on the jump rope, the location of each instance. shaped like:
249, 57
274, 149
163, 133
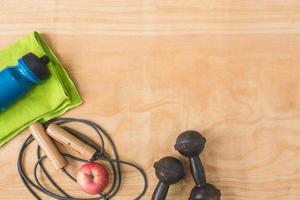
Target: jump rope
114, 163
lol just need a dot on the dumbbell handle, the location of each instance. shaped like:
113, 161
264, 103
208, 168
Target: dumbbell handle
161, 191
197, 171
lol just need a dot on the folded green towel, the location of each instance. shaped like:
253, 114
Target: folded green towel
50, 99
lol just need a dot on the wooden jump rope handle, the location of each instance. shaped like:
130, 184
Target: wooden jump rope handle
45, 142
66, 138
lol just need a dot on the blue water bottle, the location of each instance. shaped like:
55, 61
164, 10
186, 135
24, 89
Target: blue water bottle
17, 80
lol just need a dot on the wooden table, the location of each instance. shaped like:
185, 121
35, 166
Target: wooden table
148, 70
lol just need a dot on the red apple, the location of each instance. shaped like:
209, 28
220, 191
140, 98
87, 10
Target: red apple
92, 177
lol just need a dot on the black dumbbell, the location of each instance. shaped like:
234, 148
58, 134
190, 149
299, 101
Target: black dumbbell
169, 171
190, 144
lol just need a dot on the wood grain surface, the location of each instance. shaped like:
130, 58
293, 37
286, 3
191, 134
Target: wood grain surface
148, 70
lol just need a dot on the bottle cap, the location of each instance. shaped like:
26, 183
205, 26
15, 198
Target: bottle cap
37, 65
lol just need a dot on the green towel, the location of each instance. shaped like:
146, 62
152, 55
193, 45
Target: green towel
50, 99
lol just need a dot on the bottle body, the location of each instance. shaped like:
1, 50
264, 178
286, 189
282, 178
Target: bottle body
12, 86
15, 82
